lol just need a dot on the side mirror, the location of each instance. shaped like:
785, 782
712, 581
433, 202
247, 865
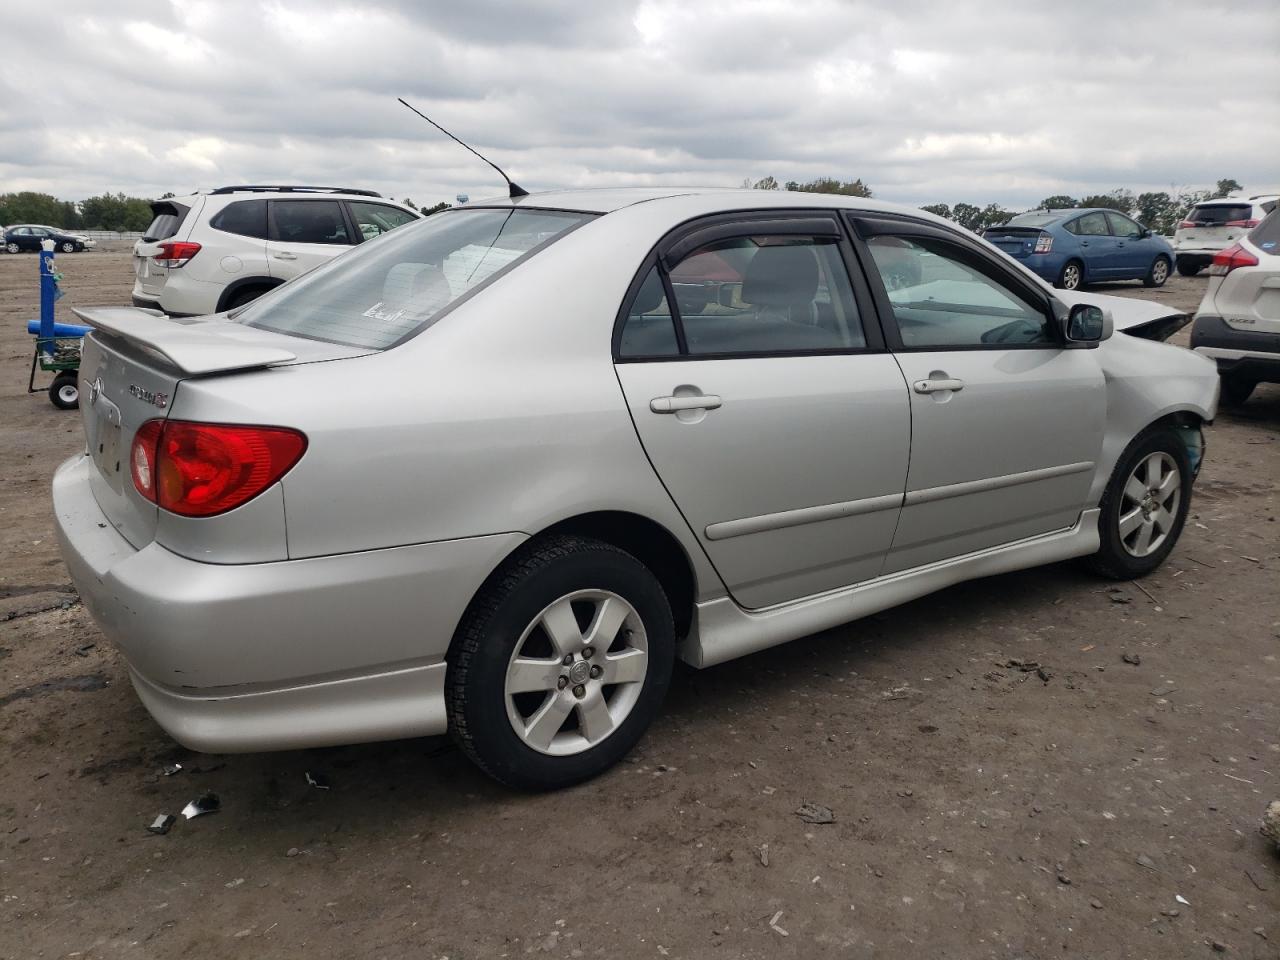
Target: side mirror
1087, 324
1146, 232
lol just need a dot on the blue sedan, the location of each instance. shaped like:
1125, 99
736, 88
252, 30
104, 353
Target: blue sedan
1074, 247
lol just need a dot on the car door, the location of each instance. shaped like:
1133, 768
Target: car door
304, 233
1097, 246
374, 219
32, 238
1134, 253
1006, 419
760, 388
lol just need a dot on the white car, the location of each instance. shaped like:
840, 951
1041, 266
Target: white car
1238, 323
1214, 225
214, 251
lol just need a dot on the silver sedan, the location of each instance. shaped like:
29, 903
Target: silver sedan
493, 473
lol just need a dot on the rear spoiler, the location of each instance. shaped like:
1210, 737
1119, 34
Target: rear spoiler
193, 346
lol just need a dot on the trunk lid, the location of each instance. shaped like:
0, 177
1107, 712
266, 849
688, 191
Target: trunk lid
1018, 242
1206, 226
132, 364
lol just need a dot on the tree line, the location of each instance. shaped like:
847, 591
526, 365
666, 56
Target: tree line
1159, 210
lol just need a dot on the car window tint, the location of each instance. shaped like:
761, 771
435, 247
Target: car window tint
648, 330
1123, 227
309, 221
766, 294
1218, 214
940, 302
248, 218
1092, 225
375, 219
382, 293
1266, 235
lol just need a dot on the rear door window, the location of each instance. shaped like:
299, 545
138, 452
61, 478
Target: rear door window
248, 218
1090, 225
308, 221
649, 329
383, 293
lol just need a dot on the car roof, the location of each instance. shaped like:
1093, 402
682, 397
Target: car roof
609, 199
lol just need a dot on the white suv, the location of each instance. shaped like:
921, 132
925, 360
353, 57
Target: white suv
1214, 225
1238, 323
214, 251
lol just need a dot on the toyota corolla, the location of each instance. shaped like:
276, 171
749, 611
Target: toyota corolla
495, 472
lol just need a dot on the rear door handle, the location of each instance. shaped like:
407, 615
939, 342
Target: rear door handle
285, 256
676, 404
937, 386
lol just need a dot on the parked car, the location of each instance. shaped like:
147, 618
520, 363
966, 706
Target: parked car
1070, 248
26, 238
1215, 225
217, 251
493, 473
1238, 323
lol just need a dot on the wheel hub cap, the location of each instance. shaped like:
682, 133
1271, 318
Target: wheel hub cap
580, 672
1149, 504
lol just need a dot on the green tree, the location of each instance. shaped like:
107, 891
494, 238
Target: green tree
428, 211
938, 209
1059, 201
115, 212
846, 188
409, 203
1118, 199
768, 183
1226, 187
31, 207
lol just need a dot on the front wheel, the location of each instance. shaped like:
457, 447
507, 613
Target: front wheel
1158, 273
560, 664
64, 392
1071, 276
68, 247
1145, 506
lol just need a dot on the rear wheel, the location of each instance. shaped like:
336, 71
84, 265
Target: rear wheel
1071, 277
12, 248
243, 296
1236, 389
1158, 273
1188, 268
68, 247
64, 392
1145, 506
560, 663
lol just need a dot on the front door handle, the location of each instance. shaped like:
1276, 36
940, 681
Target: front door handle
937, 386
285, 256
676, 404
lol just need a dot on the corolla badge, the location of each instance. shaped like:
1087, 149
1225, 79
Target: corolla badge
160, 400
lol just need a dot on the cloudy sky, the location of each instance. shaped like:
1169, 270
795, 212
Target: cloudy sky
925, 101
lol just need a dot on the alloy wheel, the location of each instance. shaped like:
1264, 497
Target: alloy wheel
576, 672
1160, 272
1149, 504
1070, 276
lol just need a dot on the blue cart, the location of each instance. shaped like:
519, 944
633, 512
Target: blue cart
57, 344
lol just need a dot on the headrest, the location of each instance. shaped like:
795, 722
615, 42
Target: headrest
780, 276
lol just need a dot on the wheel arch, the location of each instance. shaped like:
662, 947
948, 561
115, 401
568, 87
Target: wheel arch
245, 283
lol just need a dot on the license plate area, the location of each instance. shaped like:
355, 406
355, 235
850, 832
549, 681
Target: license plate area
105, 446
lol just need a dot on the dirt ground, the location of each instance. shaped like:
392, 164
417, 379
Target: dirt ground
980, 811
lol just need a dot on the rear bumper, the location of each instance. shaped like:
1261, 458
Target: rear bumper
282, 655
1244, 353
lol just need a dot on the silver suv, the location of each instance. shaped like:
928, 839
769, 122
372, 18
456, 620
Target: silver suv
216, 251
1214, 225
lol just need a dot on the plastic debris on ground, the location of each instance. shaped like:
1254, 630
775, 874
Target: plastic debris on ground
815, 813
161, 824
205, 803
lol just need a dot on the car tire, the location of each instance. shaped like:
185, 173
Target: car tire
64, 392
68, 247
12, 248
1158, 273
1134, 538
530, 727
1236, 389
243, 296
1188, 268
1071, 277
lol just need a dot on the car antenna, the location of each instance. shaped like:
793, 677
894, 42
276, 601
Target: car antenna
514, 188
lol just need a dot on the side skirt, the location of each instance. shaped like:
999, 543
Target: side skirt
724, 631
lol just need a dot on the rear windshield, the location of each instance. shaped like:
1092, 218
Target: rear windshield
1216, 214
167, 219
1033, 219
1266, 235
387, 290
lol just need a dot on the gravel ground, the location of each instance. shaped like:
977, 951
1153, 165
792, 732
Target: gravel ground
979, 810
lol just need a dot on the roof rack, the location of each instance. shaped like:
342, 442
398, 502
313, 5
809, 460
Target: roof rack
286, 188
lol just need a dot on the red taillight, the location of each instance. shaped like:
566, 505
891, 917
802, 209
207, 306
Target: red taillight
1044, 243
176, 253
201, 469
1224, 261
1186, 224
1248, 224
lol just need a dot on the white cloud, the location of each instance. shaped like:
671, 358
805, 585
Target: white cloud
1005, 102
